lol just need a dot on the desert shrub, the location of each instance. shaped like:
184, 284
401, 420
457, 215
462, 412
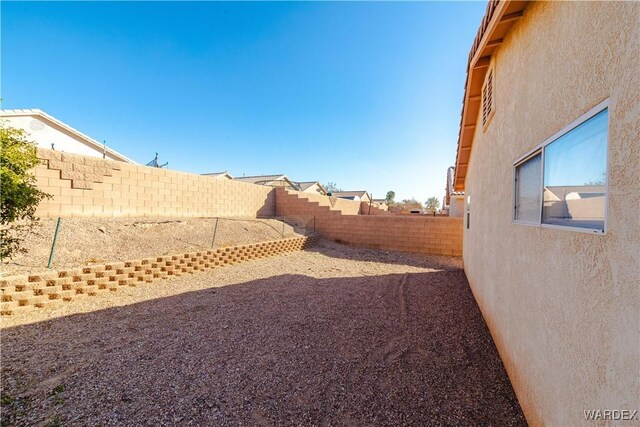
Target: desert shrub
19, 196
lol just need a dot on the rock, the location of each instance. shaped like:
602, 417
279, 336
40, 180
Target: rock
104, 230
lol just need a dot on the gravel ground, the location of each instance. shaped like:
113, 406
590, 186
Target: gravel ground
331, 336
85, 241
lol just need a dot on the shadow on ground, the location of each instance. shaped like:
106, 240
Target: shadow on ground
340, 250
399, 349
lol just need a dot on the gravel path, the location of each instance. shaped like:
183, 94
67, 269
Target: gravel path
85, 241
331, 336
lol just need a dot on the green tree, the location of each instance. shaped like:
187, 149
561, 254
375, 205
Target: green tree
390, 199
331, 187
432, 204
19, 195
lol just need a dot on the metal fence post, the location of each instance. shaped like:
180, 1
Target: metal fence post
53, 245
215, 230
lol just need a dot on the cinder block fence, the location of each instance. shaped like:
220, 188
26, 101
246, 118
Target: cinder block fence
408, 233
84, 186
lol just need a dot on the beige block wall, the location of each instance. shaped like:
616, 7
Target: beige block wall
562, 306
418, 234
367, 208
84, 186
345, 206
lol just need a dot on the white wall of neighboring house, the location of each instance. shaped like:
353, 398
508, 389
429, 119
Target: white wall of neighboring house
45, 132
456, 206
315, 189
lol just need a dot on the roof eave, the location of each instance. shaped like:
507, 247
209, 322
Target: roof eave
503, 16
36, 112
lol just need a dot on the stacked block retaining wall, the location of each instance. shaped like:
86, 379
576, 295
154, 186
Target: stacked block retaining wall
84, 186
419, 233
20, 293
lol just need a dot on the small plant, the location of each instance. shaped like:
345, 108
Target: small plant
19, 196
6, 400
53, 422
56, 394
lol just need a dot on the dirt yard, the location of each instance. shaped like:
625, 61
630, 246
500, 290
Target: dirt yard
85, 241
330, 336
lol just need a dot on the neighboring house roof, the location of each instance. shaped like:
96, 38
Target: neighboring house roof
302, 186
381, 201
350, 194
57, 124
224, 174
498, 20
265, 179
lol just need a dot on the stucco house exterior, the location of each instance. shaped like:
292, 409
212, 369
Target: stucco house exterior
50, 133
313, 187
223, 174
548, 156
453, 200
269, 181
360, 195
380, 203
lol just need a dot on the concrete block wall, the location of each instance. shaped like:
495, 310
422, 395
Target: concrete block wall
84, 186
23, 293
407, 233
369, 209
344, 206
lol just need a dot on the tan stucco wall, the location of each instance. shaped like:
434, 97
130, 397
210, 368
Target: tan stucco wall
563, 306
456, 207
49, 134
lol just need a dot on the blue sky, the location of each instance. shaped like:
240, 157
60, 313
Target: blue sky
364, 94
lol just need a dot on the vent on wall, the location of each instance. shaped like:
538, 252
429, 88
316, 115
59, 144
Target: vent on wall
487, 98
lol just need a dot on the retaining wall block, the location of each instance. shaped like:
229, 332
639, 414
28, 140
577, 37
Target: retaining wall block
22, 293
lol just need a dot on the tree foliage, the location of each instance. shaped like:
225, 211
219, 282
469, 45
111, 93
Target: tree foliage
409, 204
19, 195
331, 187
390, 198
432, 204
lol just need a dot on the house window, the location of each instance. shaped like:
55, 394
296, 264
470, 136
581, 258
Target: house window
563, 182
487, 98
528, 200
575, 176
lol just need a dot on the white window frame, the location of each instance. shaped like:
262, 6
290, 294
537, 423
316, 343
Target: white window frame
540, 149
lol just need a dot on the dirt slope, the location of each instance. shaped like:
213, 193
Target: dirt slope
89, 241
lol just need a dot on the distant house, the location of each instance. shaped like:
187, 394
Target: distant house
49, 132
379, 202
311, 187
453, 200
224, 174
270, 181
361, 196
